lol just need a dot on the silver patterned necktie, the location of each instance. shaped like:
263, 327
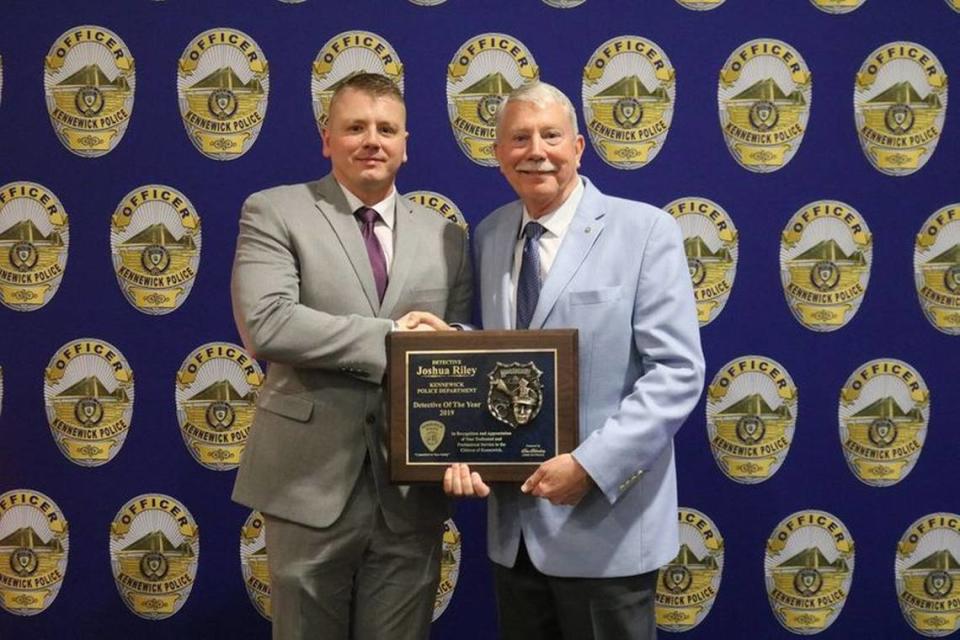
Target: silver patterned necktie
528, 281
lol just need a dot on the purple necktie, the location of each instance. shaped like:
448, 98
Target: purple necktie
368, 218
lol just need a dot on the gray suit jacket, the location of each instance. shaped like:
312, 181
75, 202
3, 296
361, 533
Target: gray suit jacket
621, 278
304, 300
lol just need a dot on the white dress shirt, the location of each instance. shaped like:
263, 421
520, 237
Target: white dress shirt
383, 228
555, 224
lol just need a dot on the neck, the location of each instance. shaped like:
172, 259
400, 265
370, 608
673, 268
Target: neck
369, 195
536, 209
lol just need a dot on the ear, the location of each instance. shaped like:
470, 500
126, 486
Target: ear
325, 136
406, 138
580, 144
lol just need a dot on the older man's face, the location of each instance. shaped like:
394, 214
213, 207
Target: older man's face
539, 154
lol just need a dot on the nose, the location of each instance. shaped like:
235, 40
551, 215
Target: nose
536, 151
371, 138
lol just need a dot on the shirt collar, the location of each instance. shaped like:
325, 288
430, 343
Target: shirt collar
557, 221
386, 208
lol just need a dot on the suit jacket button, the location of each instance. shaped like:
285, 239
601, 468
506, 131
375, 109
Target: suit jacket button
371, 418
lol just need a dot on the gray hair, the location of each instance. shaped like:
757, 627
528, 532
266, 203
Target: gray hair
541, 94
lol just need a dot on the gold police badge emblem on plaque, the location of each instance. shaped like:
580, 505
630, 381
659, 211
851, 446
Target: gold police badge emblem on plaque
155, 241
88, 391
483, 71
808, 567
223, 86
34, 547
516, 393
253, 563
711, 243
700, 5
900, 104
154, 553
216, 394
927, 574
936, 269
688, 585
449, 567
751, 415
89, 80
764, 96
883, 414
837, 6
34, 244
345, 55
826, 251
441, 204
629, 89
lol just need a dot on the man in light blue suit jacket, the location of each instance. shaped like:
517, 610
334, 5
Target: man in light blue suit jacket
577, 547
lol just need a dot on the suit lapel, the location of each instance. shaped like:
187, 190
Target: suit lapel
406, 240
504, 243
581, 235
333, 205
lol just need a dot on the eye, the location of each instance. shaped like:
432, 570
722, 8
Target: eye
387, 129
553, 137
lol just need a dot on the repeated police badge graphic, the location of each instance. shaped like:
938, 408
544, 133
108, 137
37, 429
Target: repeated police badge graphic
700, 5
216, 393
441, 204
900, 104
428, 3
837, 6
449, 567
564, 4
223, 86
711, 243
826, 251
927, 574
751, 415
936, 269
688, 585
346, 55
884, 411
764, 96
88, 391
154, 553
155, 242
808, 568
954, 4
483, 71
34, 546
629, 89
89, 80
34, 244
253, 563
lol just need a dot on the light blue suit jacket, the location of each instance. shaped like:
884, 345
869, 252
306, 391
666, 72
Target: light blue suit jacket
621, 278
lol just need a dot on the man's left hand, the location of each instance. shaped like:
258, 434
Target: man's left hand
561, 480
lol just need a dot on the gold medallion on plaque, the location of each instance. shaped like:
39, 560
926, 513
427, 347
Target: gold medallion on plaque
900, 104
564, 4
936, 269
628, 89
449, 567
927, 574
808, 567
688, 585
89, 80
155, 241
482, 72
34, 244
345, 55
711, 243
154, 552
516, 393
34, 546
217, 388
253, 563
837, 6
764, 96
441, 204
826, 251
700, 5
223, 86
751, 415
883, 413
88, 391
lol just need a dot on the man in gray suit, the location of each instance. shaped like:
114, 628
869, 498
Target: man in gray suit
577, 546
323, 272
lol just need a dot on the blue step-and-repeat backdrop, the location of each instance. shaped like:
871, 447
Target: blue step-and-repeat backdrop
806, 148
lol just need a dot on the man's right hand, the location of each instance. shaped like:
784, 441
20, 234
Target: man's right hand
422, 321
459, 482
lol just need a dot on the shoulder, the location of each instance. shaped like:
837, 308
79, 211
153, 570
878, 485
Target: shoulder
500, 215
633, 216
